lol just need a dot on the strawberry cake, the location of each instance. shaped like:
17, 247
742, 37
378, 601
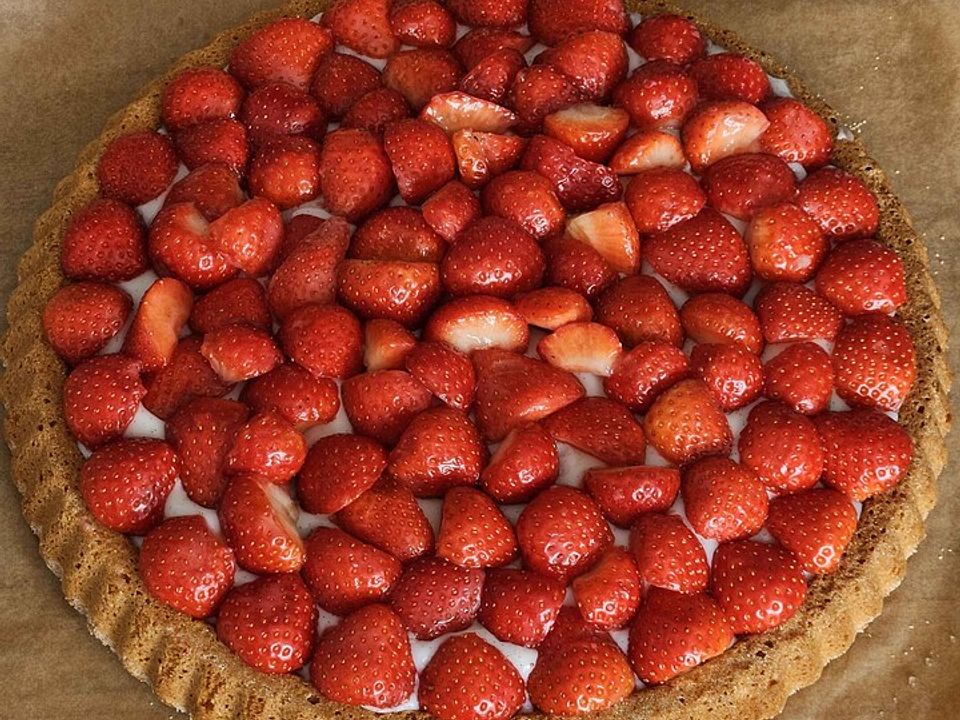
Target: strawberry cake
476, 359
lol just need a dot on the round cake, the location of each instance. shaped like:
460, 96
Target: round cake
476, 359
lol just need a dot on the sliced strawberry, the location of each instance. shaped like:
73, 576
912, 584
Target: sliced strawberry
458, 110
721, 129
365, 660
382, 403
267, 446
674, 632
270, 623
582, 347
287, 50
661, 197
214, 188
408, 535
785, 243
489, 13
216, 141
646, 150
240, 352
528, 199
579, 184
125, 484
720, 318
668, 554
863, 276
443, 371
561, 533
327, 340
576, 266
522, 465
397, 233
473, 531
482, 42
790, 312
295, 230
840, 203
482, 156
492, 77
179, 245
685, 422
583, 677
401, 291
538, 91
610, 230
730, 76
469, 679
609, 593
285, 171
434, 597
308, 274
421, 156
375, 110
161, 315
100, 397
552, 21
339, 469
741, 185
733, 373
595, 60
341, 80
668, 37
601, 428
135, 168
279, 108
241, 300
801, 376
796, 133
183, 564
104, 241
355, 174
187, 376
259, 522
758, 586
815, 526
451, 209
422, 23
639, 309
519, 606
723, 500
300, 398
570, 628
199, 94
874, 362
625, 493
782, 447
644, 372
80, 318
551, 307
421, 73
493, 256
476, 322
657, 95
363, 26
386, 344
250, 234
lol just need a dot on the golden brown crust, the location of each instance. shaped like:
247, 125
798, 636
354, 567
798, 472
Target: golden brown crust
190, 670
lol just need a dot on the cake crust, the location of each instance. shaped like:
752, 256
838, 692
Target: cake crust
191, 670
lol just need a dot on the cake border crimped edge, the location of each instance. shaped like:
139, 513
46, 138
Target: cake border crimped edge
189, 669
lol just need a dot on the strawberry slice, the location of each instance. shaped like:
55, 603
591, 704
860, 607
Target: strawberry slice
610, 231
685, 422
363, 26
624, 493
608, 594
240, 300
519, 606
733, 373
561, 533
582, 347
646, 150
874, 362
269, 447
596, 61
639, 309
789, 312
337, 470
408, 535
840, 203
125, 484
758, 586
782, 447
722, 499
668, 554
863, 276
250, 234
434, 597
721, 129
489, 13
469, 679
422, 73
451, 209
482, 155
473, 531
720, 318
570, 628
355, 174
491, 78
287, 50
259, 522
600, 427
341, 80
644, 372
674, 632
199, 94
386, 345
457, 110
382, 403
526, 198
658, 95
80, 318
240, 352
785, 243
538, 91
278, 109
397, 233
421, 156
815, 526
476, 322
482, 42
187, 376
576, 266
100, 397
580, 678
796, 133
214, 188
184, 565
297, 396
326, 340
443, 371
668, 37
662, 197
730, 76
365, 660
741, 185
552, 21
393, 290
422, 23
308, 273
579, 184
495, 257
103, 241
284, 170
801, 376
344, 574
155, 330
376, 109
135, 168
551, 307
522, 465
179, 245
216, 141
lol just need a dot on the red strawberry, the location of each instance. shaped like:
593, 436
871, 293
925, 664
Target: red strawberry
723, 500
355, 174
553, 20
100, 397
595, 60
729, 76
421, 73
287, 50
570, 628
801, 376
639, 309
476, 322
395, 290
495, 257
551, 307
526, 198
522, 465
582, 347
341, 80
600, 427
593, 131
576, 266
482, 42
457, 110
674, 632
657, 95
202, 433
668, 554
363, 26
863, 276
782, 447
213, 188
308, 273
685, 422
733, 373
187, 376
397, 233
103, 241
444, 372
785, 243
135, 168
408, 535
338, 470
279, 108
661, 197
473, 531
382, 403
375, 110
609, 593
519, 606
469, 679
236, 301
610, 230
481, 156
267, 446
421, 156
720, 129
668, 37
125, 484
815, 526
720, 318
513, 390
365, 660
644, 372
625, 493
324, 339
197, 95
646, 150
179, 245
451, 209
386, 344
80, 318
741, 185
489, 13
285, 171
874, 362
758, 586
492, 77
561, 533
300, 398
796, 133
722, 262
434, 597
422, 23
840, 203
583, 677
249, 235
240, 352
161, 315
215, 141
538, 91
790, 312
579, 184
183, 564
344, 574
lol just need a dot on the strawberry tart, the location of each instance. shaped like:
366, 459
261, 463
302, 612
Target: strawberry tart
476, 359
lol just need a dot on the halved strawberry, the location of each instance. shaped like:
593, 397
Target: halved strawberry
685, 422
519, 606
481, 42
579, 184
457, 110
608, 594
583, 677
668, 37
491, 78
722, 499
156, 326
375, 110
421, 73
720, 318
341, 80
482, 156
137, 167
355, 174
188, 375
401, 291
610, 230
421, 156
493, 256
874, 362
863, 276
538, 91
528, 199
199, 94
625, 493
730, 76
600, 427
278, 109
782, 447
840, 203
801, 376
639, 309
327, 340
640, 374
363, 26
451, 209
103, 241
397, 233
383, 402
308, 274
657, 95
668, 554
386, 344
796, 133
80, 318
337, 470
299, 397
785, 243
215, 141
790, 312
475, 322
551, 307
214, 188
422, 23
249, 235
179, 245
569, 628
741, 185
267, 446
582, 347
408, 535
434, 597
100, 397
815, 526
443, 371
720, 129
240, 352
125, 484
661, 197
295, 229
284, 170
733, 372
646, 150
576, 266
258, 520
595, 60
553, 20
522, 465
240, 300
473, 531
288, 50
489, 13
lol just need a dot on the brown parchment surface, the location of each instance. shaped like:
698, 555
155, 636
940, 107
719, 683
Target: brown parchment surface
891, 66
